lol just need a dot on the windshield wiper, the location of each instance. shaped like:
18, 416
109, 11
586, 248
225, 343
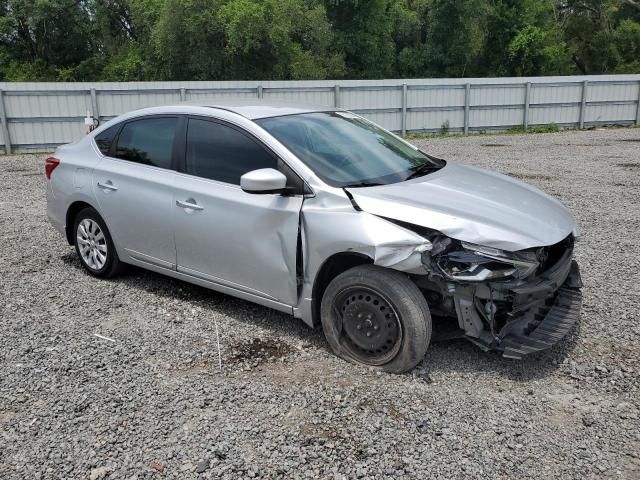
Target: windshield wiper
422, 170
362, 184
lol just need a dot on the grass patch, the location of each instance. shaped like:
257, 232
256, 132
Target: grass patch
549, 128
518, 130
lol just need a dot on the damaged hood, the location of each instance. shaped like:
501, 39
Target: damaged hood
473, 205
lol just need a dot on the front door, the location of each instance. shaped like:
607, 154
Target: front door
240, 240
134, 189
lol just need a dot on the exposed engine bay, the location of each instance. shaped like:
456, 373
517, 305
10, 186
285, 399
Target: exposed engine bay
516, 302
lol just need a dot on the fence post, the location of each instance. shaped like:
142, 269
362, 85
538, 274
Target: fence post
638, 106
467, 100
94, 105
583, 104
404, 109
5, 127
336, 96
527, 95
259, 91
183, 94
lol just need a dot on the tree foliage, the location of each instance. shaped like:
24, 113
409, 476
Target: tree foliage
122, 40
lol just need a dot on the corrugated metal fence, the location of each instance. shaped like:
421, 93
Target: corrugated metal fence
40, 116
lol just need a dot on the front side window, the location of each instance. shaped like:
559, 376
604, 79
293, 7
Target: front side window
105, 139
148, 141
222, 153
348, 151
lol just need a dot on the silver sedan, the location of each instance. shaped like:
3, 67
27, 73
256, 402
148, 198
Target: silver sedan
322, 214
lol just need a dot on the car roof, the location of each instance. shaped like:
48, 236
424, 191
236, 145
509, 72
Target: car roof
256, 109
249, 109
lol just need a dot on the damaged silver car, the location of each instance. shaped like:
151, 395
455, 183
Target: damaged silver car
320, 213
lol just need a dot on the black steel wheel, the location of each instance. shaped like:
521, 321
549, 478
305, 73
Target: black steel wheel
376, 317
371, 330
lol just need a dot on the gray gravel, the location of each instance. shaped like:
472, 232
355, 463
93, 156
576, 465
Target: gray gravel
154, 403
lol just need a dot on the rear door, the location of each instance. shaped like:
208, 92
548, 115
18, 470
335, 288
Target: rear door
133, 183
240, 240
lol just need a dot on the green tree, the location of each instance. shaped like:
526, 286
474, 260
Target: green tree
124, 29
236, 39
363, 30
409, 35
456, 37
44, 39
280, 39
626, 38
73, 40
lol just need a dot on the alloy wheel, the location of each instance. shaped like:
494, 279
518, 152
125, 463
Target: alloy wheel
92, 244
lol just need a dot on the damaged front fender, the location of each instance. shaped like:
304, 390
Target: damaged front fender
332, 226
406, 257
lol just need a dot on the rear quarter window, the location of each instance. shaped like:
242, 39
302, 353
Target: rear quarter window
104, 140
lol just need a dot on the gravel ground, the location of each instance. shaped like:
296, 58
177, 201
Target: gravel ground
154, 403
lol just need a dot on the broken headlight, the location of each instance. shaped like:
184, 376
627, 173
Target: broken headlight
467, 262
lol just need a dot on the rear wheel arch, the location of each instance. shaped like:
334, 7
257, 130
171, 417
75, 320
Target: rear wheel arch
95, 238
330, 269
73, 210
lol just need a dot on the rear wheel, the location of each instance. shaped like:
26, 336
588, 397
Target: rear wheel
376, 317
94, 245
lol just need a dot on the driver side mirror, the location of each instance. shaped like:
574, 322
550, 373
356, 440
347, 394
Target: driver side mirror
263, 180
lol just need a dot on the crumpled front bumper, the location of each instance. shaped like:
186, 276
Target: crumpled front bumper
545, 325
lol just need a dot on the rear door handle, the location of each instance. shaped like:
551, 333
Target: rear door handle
107, 186
190, 203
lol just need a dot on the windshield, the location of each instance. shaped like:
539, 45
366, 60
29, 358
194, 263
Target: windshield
345, 150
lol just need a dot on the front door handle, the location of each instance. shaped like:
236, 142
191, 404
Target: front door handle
190, 204
107, 186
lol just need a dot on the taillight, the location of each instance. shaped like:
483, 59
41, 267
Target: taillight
50, 165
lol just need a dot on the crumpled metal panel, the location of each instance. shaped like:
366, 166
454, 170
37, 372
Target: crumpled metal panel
337, 228
405, 256
473, 205
331, 225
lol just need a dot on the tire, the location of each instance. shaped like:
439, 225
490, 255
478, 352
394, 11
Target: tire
376, 317
90, 232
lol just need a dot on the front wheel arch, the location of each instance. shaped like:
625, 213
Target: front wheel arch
330, 269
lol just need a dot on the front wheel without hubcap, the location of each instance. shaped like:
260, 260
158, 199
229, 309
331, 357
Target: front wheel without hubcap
377, 317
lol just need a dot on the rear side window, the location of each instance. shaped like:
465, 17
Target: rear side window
148, 141
105, 139
222, 153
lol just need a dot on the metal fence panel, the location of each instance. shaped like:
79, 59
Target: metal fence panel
114, 103
35, 134
494, 118
388, 120
604, 92
40, 115
313, 97
446, 96
359, 98
497, 95
30, 104
435, 120
205, 96
610, 113
562, 115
